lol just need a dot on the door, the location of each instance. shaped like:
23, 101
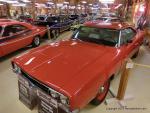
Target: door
13, 38
129, 42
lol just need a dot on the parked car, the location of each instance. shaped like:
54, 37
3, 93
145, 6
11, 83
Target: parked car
25, 18
63, 24
78, 71
44, 20
74, 17
57, 24
15, 35
110, 19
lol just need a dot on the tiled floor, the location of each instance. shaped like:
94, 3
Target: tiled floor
138, 87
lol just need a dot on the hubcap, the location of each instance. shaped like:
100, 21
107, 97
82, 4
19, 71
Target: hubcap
37, 41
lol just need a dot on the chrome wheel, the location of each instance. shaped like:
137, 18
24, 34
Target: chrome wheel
36, 41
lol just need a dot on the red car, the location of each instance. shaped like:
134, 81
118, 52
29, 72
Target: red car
78, 71
15, 35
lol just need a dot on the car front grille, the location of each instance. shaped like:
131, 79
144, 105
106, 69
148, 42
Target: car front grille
36, 82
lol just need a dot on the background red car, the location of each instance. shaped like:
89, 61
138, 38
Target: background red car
15, 35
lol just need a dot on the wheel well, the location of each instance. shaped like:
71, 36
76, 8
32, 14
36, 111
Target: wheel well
112, 77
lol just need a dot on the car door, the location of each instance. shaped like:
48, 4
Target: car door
129, 41
14, 37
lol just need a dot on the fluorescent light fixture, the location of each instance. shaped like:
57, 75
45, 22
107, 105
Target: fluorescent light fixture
19, 5
94, 8
79, 7
84, 2
72, 7
40, 5
2, 0
11, 1
107, 1
59, 5
66, 2
26, 1
51, 3
142, 8
105, 8
1, 4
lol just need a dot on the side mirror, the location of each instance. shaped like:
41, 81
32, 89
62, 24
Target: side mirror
129, 41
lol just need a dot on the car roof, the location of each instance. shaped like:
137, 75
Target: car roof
111, 25
2, 23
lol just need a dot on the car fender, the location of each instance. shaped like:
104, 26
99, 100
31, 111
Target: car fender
1, 52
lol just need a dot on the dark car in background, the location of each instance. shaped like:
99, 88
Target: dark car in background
74, 17
57, 24
44, 20
63, 24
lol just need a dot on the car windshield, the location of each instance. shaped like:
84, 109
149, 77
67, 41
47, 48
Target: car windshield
52, 19
40, 18
103, 36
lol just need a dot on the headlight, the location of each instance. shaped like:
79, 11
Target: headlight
54, 94
64, 100
16, 69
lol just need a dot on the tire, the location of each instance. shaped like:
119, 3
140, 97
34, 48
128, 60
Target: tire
36, 41
135, 55
101, 95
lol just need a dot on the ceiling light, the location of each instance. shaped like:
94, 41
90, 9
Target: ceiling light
107, 1
84, 2
1, 4
19, 5
59, 5
26, 1
51, 3
11, 1
66, 2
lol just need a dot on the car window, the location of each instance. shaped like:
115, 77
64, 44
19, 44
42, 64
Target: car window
40, 18
102, 36
126, 35
12, 29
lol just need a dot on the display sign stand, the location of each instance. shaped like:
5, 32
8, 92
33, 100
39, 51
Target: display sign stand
48, 32
120, 98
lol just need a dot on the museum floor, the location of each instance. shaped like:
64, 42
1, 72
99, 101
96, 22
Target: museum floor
138, 87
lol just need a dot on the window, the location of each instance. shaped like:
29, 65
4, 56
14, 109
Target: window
41, 18
97, 35
12, 29
126, 35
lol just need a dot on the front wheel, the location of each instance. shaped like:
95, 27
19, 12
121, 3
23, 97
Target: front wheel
36, 41
135, 55
102, 93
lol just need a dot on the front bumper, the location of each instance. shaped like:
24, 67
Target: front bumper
46, 103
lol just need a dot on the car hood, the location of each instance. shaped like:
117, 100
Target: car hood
59, 63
